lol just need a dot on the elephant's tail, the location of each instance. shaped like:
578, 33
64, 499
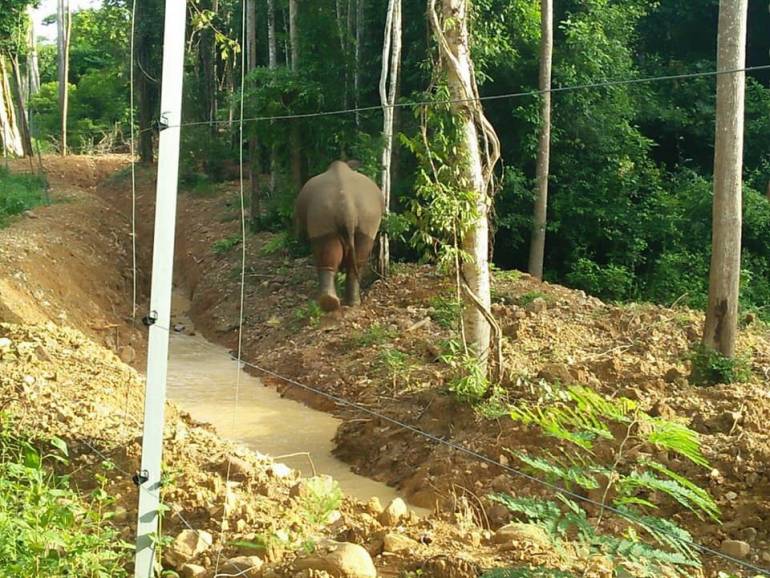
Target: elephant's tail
349, 242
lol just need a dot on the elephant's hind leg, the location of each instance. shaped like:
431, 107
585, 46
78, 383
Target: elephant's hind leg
352, 280
328, 252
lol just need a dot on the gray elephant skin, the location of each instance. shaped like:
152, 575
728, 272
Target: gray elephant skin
339, 211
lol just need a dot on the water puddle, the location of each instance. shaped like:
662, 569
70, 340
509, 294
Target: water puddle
201, 381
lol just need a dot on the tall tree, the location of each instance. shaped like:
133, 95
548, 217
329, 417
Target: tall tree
360, 31
721, 325
537, 246
479, 151
64, 27
147, 71
22, 118
33, 68
294, 135
293, 34
391, 61
272, 47
9, 130
251, 64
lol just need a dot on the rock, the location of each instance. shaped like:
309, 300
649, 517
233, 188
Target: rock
498, 515
731, 496
766, 557
735, 548
674, 374
512, 535
193, 571
187, 545
120, 515
397, 543
239, 469
5, 343
41, 353
537, 305
30, 214
127, 354
179, 328
247, 566
748, 534
374, 507
394, 512
340, 560
556, 373
280, 470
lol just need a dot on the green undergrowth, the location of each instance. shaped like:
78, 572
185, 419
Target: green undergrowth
46, 528
18, 193
609, 449
709, 367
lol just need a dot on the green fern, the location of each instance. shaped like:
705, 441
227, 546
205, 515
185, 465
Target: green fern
529, 572
579, 476
676, 437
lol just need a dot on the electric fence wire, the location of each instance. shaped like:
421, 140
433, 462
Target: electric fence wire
486, 459
494, 97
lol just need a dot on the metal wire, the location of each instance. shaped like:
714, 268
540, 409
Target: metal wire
504, 96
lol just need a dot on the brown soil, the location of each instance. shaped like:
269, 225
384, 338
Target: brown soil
637, 351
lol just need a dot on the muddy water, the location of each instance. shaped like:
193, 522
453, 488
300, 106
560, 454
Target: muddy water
201, 381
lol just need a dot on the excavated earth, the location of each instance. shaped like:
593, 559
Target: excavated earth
65, 288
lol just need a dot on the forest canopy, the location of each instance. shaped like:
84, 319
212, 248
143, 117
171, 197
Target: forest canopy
629, 214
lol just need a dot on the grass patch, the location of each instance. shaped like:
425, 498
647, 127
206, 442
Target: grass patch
19, 193
528, 297
445, 311
47, 529
308, 314
224, 245
709, 367
375, 334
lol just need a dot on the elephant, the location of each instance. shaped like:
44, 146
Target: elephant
339, 211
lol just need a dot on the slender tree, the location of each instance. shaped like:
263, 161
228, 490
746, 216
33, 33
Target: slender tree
9, 130
64, 23
251, 64
23, 125
479, 151
272, 48
360, 31
537, 246
33, 68
721, 325
294, 129
391, 61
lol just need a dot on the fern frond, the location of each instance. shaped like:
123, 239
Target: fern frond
667, 534
583, 477
691, 497
676, 437
591, 402
705, 501
529, 572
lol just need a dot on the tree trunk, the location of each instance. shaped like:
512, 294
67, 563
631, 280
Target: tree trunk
255, 205
721, 325
207, 58
360, 27
63, 43
146, 87
272, 48
23, 125
479, 151
33, 67
537, 246
295, 141
391, 60
9, 131
293, 34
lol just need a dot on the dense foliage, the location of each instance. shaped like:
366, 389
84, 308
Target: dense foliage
630, 203
20, 192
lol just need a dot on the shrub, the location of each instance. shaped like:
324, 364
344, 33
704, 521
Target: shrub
709, 367
608, 281
224, 245
587, 425
469, 382
46, 529
20, 192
